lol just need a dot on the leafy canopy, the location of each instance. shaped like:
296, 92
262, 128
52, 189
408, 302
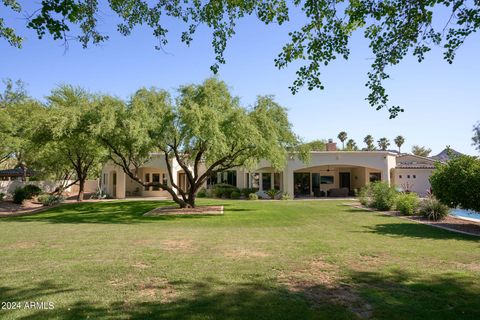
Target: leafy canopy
393, 28
457, 182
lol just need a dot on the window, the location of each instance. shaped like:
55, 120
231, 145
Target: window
229, 177
276, 181
408, 176
256, 180
375, 176
400, 176
212, 180
114, 178
147, 180
326, 180
155, 181
164, 178
266, 181
247, 180
414, 176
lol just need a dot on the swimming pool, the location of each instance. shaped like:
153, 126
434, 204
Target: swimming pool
466, 214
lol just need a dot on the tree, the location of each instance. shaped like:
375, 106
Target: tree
383, 143
352, 145
369, 142
316, 145
399, 141
392, 28
421, 151
205, 131
342, 136
456, 183
69, 130
476, 136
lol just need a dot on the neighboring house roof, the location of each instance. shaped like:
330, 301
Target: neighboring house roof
410, 161
16, 172
446, 155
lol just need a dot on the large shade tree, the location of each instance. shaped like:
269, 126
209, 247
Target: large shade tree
205, 131
66, 136
456, 183
393, 29
476, 136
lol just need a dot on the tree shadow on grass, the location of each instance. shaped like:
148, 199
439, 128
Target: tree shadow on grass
402, 295
417, 230
397, 295
123, 212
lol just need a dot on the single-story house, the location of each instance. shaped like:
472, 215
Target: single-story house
328, 173
19, 173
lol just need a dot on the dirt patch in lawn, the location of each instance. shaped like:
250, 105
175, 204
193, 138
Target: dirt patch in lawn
321, 283
157, 287
366, 262
202, 210
246, 253
177, 245
10, 209
22, 245
141, 265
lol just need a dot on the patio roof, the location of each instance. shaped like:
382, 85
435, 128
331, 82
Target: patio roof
16, 172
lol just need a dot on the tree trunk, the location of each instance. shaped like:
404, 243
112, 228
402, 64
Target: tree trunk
81, 189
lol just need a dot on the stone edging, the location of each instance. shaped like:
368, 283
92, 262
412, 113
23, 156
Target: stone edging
392, 214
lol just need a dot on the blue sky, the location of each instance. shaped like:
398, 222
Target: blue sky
441, 101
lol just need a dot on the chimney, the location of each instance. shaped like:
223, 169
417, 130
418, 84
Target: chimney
331, 146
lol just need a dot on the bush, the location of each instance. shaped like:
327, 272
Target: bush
407, 203
224, 190
253, 196
235, 195
31, 191
202, 193
286, 196
2, 195
271, 193
383, 196
19, 195
365, 196
50, 200
432, 209
247, 191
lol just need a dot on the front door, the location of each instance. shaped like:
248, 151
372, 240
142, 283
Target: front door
345, 180
301, 183
114, 183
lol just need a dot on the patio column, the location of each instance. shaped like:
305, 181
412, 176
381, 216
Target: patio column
272, 180
288, 180
121, 181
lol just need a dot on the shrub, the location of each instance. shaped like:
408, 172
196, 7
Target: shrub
286, 196
224, 190
31, 191
235, 195
247, 191
50, 200
253, 196
202, 193
432, 209
365, 196
271, 193
2, 195
407, 203
19, 195
383, 196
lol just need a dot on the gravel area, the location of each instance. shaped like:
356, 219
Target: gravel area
452, 223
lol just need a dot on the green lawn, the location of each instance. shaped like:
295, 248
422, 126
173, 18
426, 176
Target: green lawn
260, 260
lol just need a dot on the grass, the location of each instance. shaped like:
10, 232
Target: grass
260, 260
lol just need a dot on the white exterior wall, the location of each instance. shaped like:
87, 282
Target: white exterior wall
420, 184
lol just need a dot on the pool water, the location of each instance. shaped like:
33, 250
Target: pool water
466, 214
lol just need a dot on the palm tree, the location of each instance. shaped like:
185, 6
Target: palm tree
352, 145
399, 141
369, 142
383, 143
342, 136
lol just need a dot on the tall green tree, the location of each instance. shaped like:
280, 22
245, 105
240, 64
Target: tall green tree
369, 142
69, 131
476, 136
342, 136
205, 131
421, 151
352, 145
399, 141
393, 28
383, 143
456, 183
316, 145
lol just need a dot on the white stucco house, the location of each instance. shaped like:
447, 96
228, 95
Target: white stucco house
328, 173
